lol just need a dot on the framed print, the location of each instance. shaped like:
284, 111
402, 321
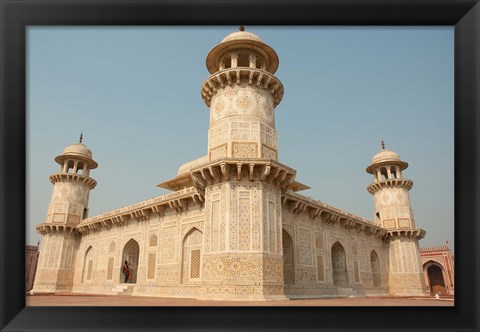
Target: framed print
241, 170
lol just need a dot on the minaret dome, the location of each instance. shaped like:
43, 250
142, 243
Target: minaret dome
386, 165
242, 49
76, 158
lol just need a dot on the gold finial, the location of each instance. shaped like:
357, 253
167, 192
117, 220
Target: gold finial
242, 28
383, 145
81, 138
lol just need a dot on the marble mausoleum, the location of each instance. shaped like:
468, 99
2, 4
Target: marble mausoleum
235, 225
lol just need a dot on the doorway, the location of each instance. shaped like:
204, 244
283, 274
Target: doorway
130, 254
436, 280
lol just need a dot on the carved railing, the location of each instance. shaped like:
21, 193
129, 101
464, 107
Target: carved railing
178, 201
389, 183
234, 76
330, 215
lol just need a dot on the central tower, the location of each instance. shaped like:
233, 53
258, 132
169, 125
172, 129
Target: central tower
241, 179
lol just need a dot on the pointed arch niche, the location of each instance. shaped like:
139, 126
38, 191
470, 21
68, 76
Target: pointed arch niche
192, 256
339, 265
375, 264
288, 263
87, 271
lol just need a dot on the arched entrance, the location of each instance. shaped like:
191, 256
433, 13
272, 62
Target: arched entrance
288, 265
130, 254
436, 280
192, 256
339, 265
375, 263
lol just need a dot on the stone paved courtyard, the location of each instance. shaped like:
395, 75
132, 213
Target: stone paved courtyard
105, 300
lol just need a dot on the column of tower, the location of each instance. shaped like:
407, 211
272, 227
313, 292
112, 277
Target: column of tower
242, 181
68, 206
393, 212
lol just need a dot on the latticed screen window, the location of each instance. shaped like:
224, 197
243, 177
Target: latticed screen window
320, 271
195, 263
357, 271
110, 269
152, 258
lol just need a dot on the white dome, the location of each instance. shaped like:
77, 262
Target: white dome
385, 155
78, 149
241, 35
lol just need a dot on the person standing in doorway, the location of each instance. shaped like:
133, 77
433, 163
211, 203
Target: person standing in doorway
126, 272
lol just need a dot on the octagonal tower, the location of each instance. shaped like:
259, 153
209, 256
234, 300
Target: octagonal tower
393, 212
68, 206
242, 93
241, 178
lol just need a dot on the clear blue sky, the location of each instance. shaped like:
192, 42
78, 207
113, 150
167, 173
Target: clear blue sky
135, 94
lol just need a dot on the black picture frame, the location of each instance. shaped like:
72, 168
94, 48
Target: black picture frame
17, 15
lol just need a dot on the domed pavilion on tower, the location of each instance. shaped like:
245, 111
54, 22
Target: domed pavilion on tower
235, 225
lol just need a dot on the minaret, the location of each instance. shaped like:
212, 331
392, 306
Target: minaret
240, 178
393, 212
68, 206
242, 93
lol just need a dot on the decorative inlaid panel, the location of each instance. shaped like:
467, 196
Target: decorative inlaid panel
218, 135
242, 267
244, 131
406, 284
169, 241
169, 274
356, 270
269, 137
244, 220
247, 100
272, 228
215, 240
304, 274
58, 217
403, 212
268, 153
244, 150
53, 252
319, 241
389, 223
73, 219
218, 152
69, 256
272, 223
403, 223
304, 246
